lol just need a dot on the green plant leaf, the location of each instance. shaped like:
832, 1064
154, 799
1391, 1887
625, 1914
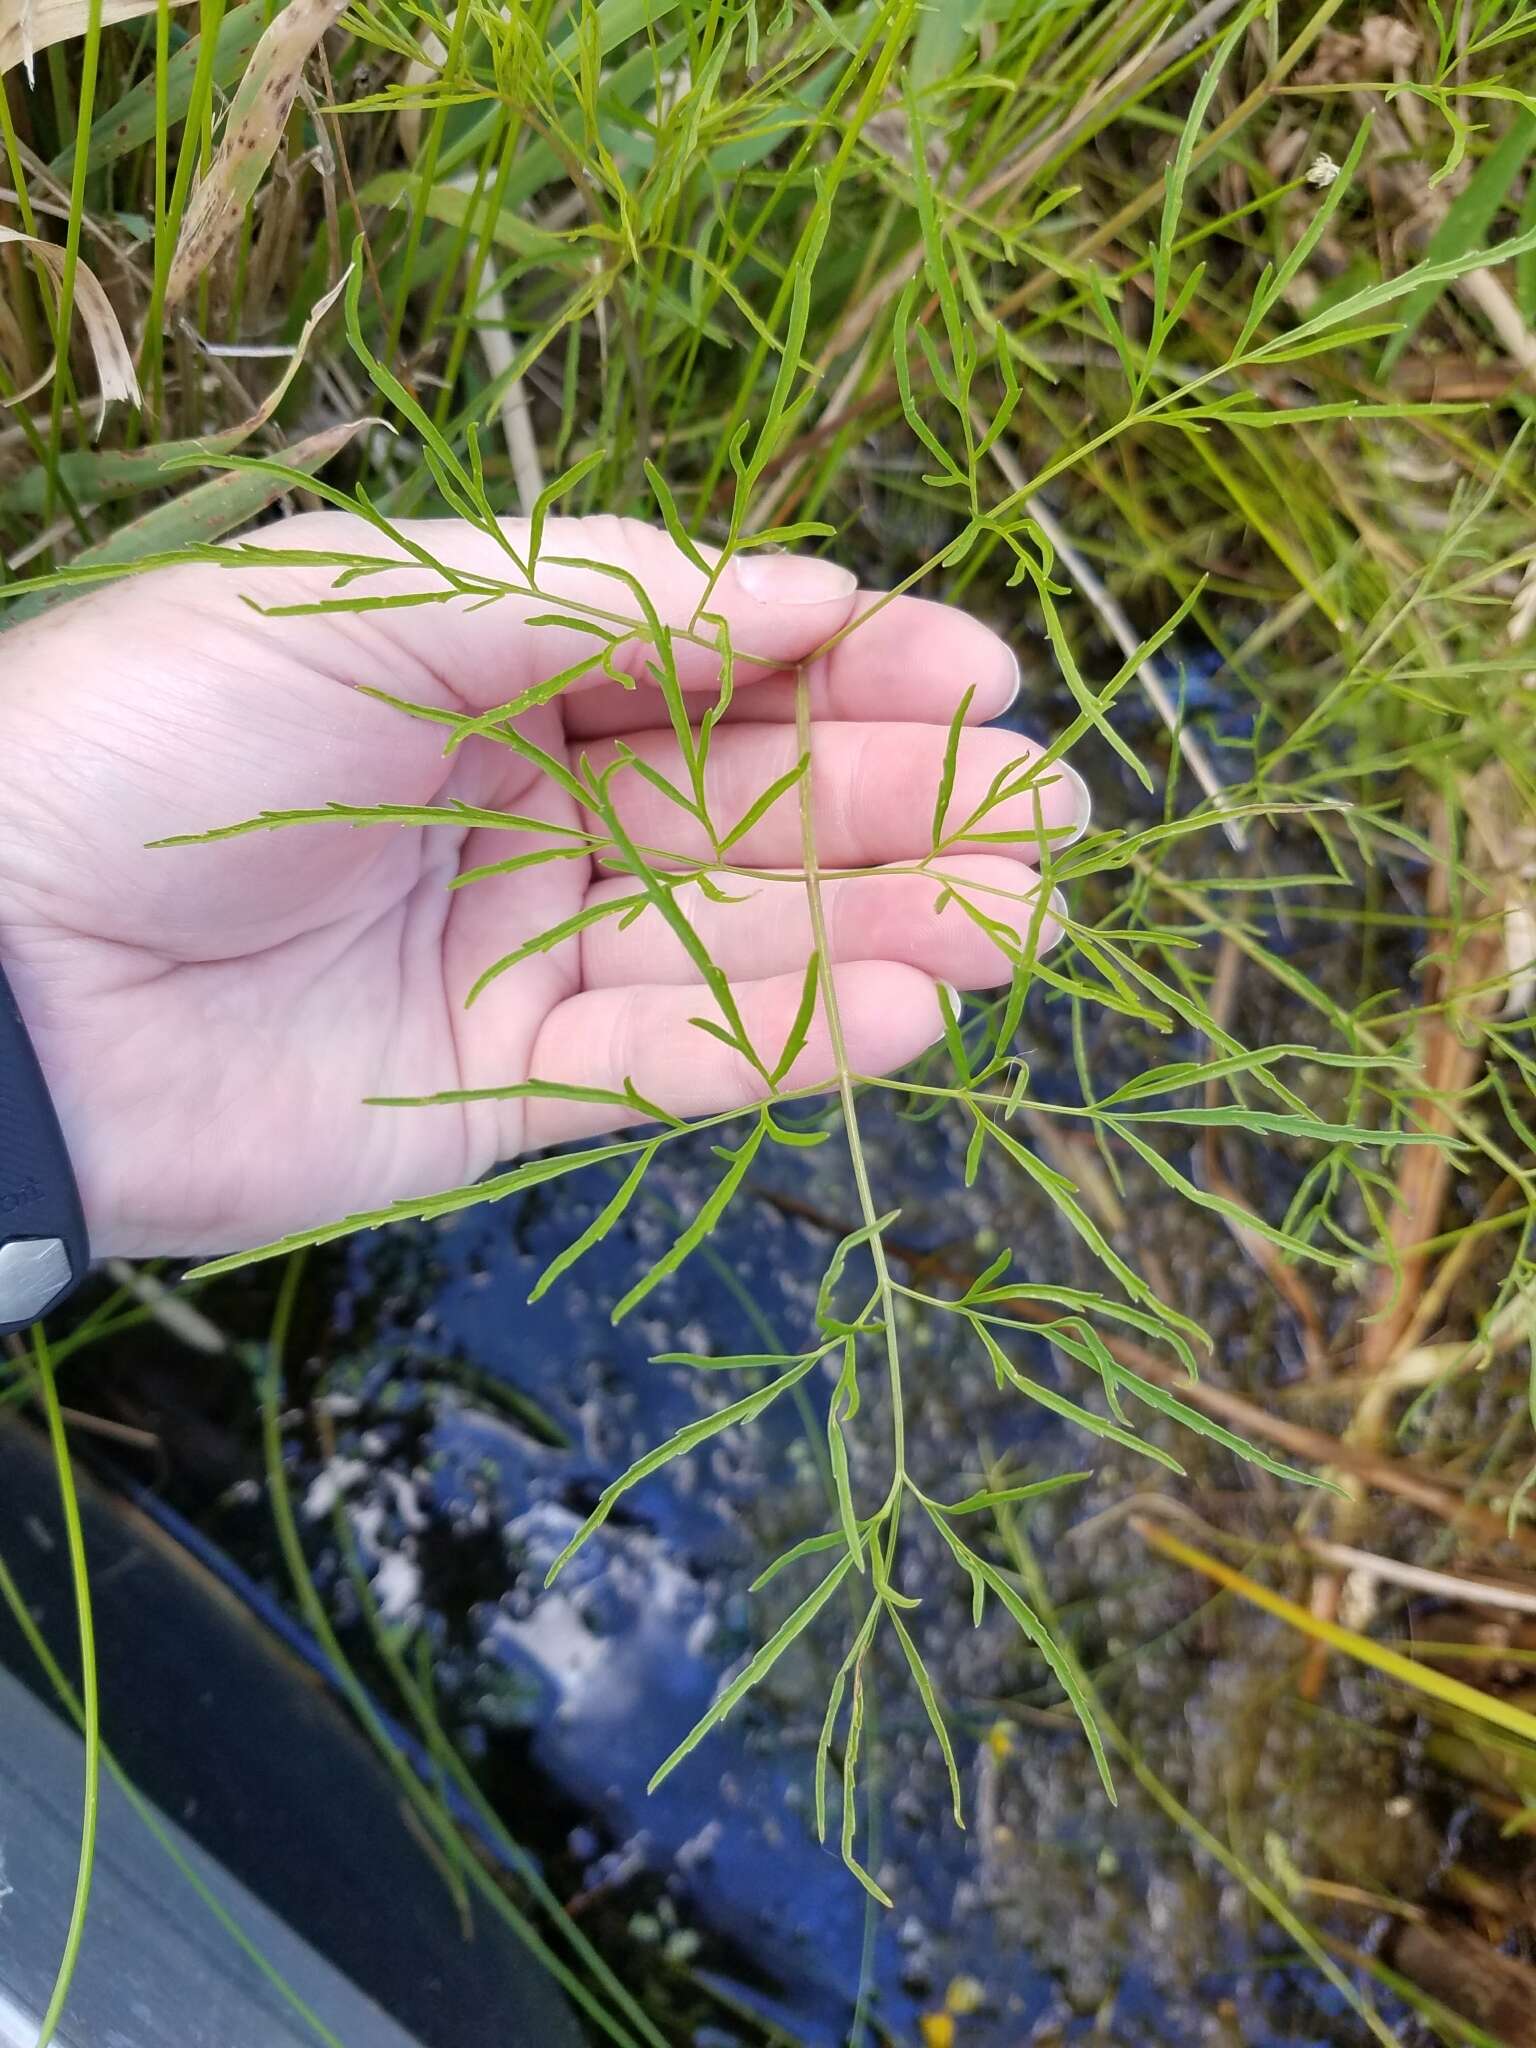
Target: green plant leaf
598, 1228
1035, 1390
678, 1445
1007, 1496
672, 519
799, 1031
841, 1409
710, 1211
759, 1667
778, 789
924, 1684
865, 1234
1062, 1666
531, 1173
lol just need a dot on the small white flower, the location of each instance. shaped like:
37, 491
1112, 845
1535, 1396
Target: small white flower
1322, 170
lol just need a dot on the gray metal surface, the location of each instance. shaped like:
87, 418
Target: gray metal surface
156, 1969
220, 1726
34, 1271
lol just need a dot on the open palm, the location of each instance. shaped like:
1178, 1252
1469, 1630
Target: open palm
212, 1018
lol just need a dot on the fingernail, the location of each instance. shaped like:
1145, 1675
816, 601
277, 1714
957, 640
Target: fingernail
949, 995
1056, 912
794, 579
1082, 814
1018, 683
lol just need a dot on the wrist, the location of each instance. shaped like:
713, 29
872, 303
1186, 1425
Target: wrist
44, 1252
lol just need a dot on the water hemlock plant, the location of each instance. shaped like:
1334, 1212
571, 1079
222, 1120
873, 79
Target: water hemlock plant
975, 379
860, 1300
975, 334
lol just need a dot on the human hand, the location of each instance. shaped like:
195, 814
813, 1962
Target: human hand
211, 1018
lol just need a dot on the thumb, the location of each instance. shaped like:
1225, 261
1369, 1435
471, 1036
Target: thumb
499, 636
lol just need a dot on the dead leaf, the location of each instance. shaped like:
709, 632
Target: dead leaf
1501, 852
226, 442
1502, 833
205, 513
124, 472
1388, 45
210, 510
114, 365
1520, 956
1283, 149
1383, 51
27, 26
257, 116
1522, 613
13, 348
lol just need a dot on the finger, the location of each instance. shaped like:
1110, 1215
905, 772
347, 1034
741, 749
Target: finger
605, 1037
493, 636
916, 920
874, 794
904, 658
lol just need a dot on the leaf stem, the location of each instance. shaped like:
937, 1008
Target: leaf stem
869, 1213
